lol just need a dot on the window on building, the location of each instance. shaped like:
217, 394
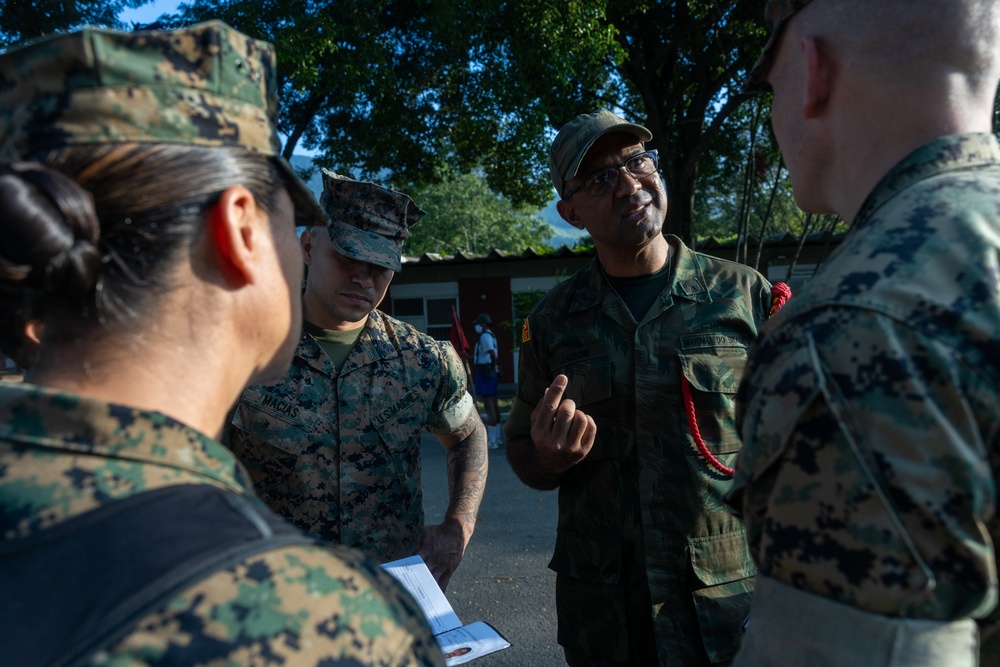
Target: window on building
408, 308
439, 317
430, 315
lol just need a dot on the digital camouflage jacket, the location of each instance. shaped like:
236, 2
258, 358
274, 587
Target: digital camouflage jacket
62, 455
339, 454
871, 410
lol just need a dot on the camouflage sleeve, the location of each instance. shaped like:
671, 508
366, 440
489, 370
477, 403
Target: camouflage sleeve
292, 606
452, 404
864, 471
760, 293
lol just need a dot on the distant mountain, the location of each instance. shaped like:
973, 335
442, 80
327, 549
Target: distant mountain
565, 233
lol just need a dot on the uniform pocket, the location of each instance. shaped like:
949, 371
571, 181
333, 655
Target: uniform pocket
724, 574
274, 419
582, 557
721, 610
590, 379
269, 442
714, 376
590, 605
399, 423
590, 387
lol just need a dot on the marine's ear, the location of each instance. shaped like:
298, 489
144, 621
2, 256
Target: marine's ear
235, 225
307, 241
820, 72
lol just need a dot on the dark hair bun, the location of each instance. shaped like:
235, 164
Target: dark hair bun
48, 239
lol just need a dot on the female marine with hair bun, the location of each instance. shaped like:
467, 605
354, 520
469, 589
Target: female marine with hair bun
146, 211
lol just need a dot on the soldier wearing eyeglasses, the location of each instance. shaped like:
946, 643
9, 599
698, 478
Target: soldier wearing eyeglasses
628, 371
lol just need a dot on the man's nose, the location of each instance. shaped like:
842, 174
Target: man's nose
364, 275
627, 183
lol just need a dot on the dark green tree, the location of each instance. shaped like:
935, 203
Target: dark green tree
407, 90
465, 216
675, 67
360, 80
26, 19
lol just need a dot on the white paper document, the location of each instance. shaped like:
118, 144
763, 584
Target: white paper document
459, 643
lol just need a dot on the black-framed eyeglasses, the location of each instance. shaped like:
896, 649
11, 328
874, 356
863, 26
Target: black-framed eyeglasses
605, 179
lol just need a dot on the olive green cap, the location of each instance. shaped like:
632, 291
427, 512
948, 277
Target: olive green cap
205, 85
577, 136
366, 221
776, 13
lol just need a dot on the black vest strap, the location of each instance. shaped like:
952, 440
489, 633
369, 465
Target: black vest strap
73, 589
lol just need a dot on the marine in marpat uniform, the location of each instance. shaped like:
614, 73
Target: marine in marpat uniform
145, 205
871, 408
335, 445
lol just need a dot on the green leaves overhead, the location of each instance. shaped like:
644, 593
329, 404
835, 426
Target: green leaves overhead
26, 19
408, 92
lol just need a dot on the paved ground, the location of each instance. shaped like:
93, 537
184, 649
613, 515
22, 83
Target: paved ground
503, 579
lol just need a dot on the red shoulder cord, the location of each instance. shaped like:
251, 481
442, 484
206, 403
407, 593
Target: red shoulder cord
696, 432
780, 294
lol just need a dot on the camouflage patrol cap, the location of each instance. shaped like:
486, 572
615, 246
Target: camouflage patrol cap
367, 222
577, 136
777, 13
205, 85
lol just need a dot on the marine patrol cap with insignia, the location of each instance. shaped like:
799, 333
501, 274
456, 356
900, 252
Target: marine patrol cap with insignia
367, 222
777, 13
205, 85
577, 136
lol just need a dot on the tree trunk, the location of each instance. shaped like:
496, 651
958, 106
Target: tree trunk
680, 211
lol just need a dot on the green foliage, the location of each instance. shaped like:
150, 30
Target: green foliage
26, 19
746, 188
410, 92
523, 303
464, 215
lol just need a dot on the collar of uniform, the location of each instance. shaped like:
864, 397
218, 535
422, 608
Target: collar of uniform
587, 288
957, 151
50, 420
373, 344
688, 280
310, 352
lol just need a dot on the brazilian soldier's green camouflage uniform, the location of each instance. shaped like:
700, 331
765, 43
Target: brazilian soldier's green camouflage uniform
339, 454
871, 411
643, 533
62, 455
